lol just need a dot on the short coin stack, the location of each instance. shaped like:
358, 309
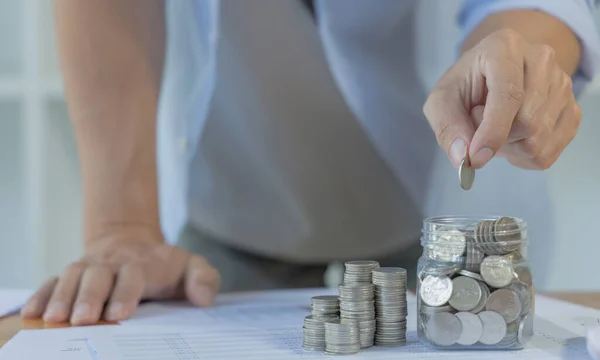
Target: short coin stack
323, 308
484, 301
390, 305
372, 311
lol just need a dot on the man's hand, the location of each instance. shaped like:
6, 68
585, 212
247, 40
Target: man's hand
505, 96
122, 268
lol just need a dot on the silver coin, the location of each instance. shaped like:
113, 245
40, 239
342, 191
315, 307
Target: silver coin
524, 294
526, 329
472, 328
497, 271
449, 246
466, 293
435, 290
506, 303
443, 329
466, 174
430, 310
494, 327
507, 235
485, 293
470, 274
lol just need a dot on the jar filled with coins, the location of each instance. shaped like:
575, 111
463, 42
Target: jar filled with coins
474, 286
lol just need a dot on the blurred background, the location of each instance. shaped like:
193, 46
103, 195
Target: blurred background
40, 183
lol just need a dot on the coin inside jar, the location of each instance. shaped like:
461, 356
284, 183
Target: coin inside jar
497, 271
443, 329
506, 303
472, 328
494, 327
466, 293
435, 290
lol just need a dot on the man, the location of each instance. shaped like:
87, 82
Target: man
290, 134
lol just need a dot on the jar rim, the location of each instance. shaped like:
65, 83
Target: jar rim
487, 230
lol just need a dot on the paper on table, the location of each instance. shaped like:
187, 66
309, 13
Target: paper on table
51, 344
11, 300
268, 325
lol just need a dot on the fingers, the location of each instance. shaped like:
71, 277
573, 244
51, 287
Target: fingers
35, 306
63, 295
503, 68
202, 282
564, 132
557, 122
96, 284
127, 293
530, 119
450, 121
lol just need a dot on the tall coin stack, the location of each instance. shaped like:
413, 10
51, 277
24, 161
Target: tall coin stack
357, 303
323, 308
359, 271
390, 306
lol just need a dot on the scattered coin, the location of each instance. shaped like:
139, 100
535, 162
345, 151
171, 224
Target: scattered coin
472, 328
466, 174
494, 327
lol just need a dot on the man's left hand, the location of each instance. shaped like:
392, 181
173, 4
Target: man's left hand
504, 97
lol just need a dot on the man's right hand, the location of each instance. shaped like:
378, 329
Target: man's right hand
116, 272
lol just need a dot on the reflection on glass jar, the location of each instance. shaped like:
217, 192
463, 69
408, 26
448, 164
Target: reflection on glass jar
474, 286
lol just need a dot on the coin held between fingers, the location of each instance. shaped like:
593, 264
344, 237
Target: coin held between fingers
466, 174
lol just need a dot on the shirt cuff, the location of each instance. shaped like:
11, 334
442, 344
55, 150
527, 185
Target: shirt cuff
576, 14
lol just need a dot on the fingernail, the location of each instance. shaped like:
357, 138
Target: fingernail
206, 294
458, 150
482, 156
115, 311
81, 312
55, 310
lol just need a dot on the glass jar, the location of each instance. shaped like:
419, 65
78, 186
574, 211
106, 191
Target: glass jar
474, 284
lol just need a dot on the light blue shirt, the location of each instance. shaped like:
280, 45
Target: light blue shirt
371, 65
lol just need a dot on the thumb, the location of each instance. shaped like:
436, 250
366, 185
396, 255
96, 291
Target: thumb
202, 282
451, 122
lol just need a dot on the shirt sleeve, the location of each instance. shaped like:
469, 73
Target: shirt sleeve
578, 15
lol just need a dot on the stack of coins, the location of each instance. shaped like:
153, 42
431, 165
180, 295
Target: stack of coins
357, 303
324, 306
342, 337
484, 300
390, 306
359, 271
314, 332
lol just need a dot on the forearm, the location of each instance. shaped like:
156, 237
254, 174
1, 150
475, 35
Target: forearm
538, 28
112, 55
